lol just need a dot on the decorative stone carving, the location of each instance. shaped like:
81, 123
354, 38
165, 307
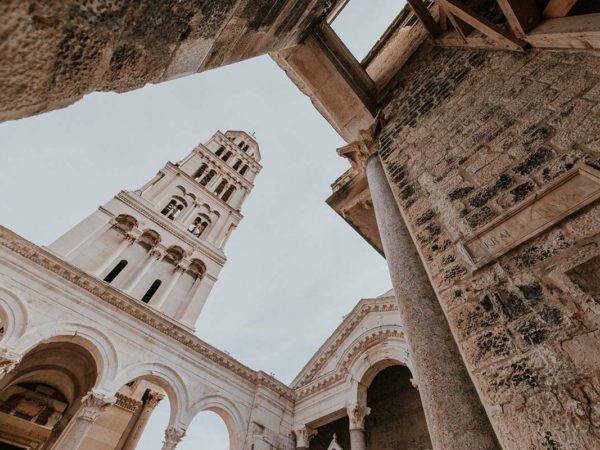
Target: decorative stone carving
8, 362
359, 152
127, 403
334, 445
93, 405
303, 436
173, 436
357, 414
153, 399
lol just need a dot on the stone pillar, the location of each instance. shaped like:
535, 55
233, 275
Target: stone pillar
71, 254
129, 240
151, 400
172, 437
153, 256
303, 437
177, 272
455, 416
92, 406
357, 414
190, 212
196, 299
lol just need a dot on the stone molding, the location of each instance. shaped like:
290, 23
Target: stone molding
138, 310
359, 151
339, 375
8, 362
348, 325
127, 403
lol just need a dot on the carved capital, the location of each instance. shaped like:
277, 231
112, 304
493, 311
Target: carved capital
357, 414
8, 361
93, 405
173, 436
153, 398
130, 238
359, 151
155, 253
303, 436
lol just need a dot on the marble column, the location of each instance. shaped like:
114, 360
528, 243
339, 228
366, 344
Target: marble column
177, 272
357, 414
112, 258
153, 256
151, 400
303, 437
92, 405
455, 417
173, 436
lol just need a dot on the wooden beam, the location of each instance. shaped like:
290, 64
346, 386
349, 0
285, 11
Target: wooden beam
494, 32
568, 32
443, 19
425, 17
462, 28
522, 15
558, 8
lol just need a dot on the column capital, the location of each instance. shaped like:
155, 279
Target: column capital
361, 150
173, 436
155, 253
357, 413
304, 435
153, 398
8, 362
94, 403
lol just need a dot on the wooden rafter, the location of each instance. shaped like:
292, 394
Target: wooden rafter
558, 8
425, 17
522, 15
500, 36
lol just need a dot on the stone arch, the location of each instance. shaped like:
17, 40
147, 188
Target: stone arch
228, 412
166, 378
93, 340
13, 314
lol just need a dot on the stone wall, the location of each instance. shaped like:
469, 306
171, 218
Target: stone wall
470, 134
397, 420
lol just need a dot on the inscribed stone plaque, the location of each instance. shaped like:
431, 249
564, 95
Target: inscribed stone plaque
553, 203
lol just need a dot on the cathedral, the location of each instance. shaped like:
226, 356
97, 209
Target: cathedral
472, 131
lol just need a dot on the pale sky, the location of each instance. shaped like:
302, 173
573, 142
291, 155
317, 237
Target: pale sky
294, 266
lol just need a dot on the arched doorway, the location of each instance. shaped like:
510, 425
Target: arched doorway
41, 395
396, 420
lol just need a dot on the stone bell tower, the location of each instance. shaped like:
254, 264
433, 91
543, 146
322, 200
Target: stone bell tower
163, 244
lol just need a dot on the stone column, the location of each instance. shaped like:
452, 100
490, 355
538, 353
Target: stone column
455, 416
129, 240
93, 404
190, 212
357, 414
303, 437
196, 299
172, 437
153, 256
150, 402
177, 272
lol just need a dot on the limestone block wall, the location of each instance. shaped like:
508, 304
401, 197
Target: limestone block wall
470, 134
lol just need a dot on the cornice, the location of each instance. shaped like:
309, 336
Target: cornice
127, 403
339, 375
333, 343
127, 198
137, 310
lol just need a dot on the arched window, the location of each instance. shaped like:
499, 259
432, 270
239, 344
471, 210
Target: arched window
116, 271
209, 176
237, 164
228, 193
241, 144
244, 169
151, 291
173, 208
220, 151
246, 147
199, 225
170, 207
220, 187
200, 172
226, 156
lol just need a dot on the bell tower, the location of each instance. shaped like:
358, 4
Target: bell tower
163, 243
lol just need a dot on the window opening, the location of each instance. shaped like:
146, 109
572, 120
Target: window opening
220, 151
244, 169
116, 271
220, 187
209, 176
228, 193
151, 291
200, 172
